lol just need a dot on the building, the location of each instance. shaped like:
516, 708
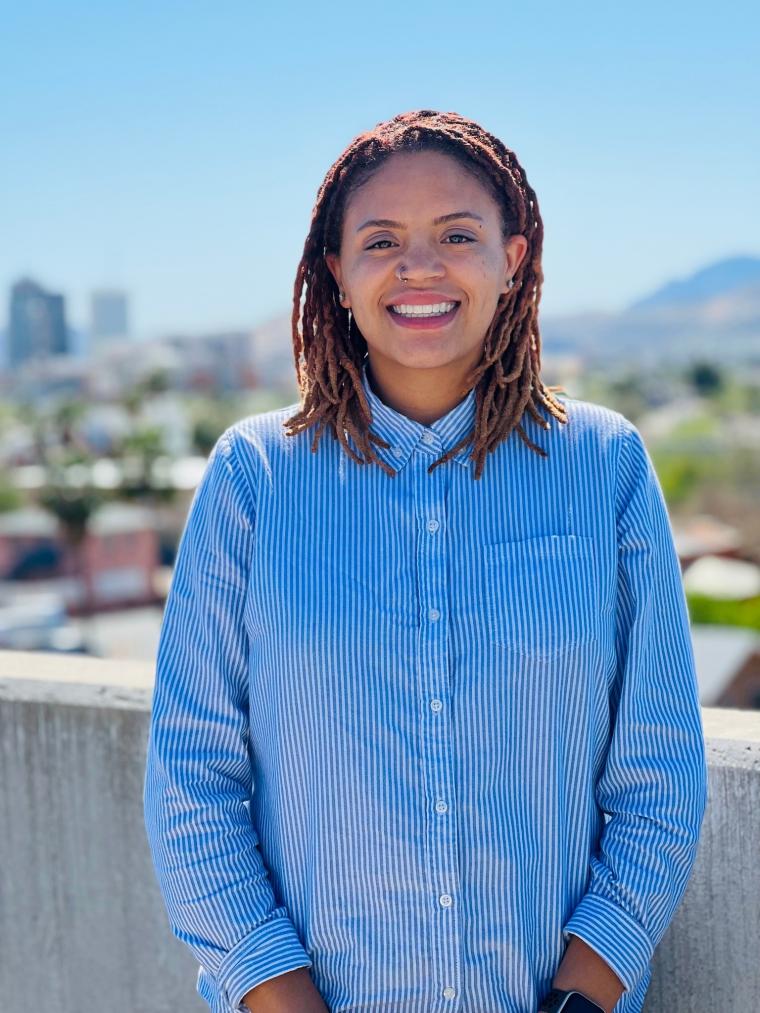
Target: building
114, 568
37, 324
109, 315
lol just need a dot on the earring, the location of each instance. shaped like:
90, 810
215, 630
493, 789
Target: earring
349, 321
342, 295
510, 284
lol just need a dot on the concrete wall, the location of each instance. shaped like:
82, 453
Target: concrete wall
83, 928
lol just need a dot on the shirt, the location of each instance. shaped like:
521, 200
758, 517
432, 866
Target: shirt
412, 732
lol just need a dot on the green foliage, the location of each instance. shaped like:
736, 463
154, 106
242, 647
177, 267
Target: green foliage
146, 442
628, 396
683, 472
206, 431
139, 451
680, 475
72, 506
706, 378
696, 429
10, 497
713, 611
155, 382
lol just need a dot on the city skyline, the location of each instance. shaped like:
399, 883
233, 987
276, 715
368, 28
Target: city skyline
185, 173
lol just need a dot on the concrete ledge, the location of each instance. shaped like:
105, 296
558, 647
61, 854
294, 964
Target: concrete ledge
81, 916
75, 679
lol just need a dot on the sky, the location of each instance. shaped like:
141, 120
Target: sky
175, 150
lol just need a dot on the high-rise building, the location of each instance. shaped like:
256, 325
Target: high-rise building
109, 315
37, 323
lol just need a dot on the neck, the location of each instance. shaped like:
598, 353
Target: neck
424, 395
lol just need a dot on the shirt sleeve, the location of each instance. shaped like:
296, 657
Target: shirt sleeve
198, 776
653, 788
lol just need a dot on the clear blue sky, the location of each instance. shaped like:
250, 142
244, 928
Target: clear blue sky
176, 149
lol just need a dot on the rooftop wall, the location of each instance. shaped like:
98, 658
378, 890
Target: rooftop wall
82, 923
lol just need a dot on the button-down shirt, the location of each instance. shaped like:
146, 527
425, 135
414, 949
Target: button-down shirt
413, 731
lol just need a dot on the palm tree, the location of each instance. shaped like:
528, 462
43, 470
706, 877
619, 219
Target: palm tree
72, 505
73, 508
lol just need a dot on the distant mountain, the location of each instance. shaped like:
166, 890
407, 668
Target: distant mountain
722, 278
714, 312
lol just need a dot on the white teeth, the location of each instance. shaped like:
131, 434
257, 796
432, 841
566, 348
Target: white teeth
434, 310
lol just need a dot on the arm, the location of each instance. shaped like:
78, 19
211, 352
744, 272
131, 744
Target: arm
293, 992
198, 773
654, 785
584, 970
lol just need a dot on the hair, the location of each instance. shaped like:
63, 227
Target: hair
329, 353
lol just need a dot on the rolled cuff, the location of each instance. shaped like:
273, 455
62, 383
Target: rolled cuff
269, 950
617, 937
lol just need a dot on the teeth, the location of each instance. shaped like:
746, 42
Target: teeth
434, 310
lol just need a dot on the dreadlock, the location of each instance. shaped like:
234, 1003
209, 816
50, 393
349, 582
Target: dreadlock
329, 354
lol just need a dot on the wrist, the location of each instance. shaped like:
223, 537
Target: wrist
569, 1000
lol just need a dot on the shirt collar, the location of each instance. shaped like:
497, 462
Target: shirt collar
405, 434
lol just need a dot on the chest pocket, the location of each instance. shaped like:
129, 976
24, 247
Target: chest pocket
541, 594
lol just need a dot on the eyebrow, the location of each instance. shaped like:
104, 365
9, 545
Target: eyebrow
388, 223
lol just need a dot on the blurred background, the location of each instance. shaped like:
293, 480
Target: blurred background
159, 167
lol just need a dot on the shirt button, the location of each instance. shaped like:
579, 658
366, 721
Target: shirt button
435, 705
433, 526
449, 992
434, 615
445, 900
397, 451
440, 806
427, 437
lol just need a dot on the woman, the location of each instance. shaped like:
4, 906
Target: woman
425, 732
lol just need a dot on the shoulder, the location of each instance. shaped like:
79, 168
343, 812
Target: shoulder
257, 440
594, 429
595, 421
595, 438
617, 447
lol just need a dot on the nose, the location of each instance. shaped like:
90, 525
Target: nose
421, 261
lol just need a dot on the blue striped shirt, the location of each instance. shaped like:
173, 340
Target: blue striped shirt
412, 732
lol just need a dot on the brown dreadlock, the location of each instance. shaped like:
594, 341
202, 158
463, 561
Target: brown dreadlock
329, 359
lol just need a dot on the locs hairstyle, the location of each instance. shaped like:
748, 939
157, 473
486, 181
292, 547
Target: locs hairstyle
329, 353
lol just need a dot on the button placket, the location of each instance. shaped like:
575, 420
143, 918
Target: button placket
436, 739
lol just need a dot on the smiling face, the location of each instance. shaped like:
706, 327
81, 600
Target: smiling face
403, 215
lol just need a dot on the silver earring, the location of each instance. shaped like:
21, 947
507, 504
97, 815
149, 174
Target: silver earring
349, 321
342, 295
510, 284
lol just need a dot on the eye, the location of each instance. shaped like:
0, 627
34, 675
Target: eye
454, 235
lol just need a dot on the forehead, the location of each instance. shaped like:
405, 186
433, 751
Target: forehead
418, 185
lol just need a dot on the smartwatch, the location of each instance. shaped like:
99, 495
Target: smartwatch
569, 1002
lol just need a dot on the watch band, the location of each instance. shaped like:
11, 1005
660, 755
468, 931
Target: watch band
570, 1001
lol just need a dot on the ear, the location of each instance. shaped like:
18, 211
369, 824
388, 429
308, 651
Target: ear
333, 264
515, 250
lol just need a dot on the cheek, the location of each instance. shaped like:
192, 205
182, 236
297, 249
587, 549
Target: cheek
366, 284
486, 271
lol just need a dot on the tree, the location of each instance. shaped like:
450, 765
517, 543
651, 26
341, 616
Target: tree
73, 508
706, 378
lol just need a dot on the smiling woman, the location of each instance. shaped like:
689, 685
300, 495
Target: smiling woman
389, 228
393, 274
421, 742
